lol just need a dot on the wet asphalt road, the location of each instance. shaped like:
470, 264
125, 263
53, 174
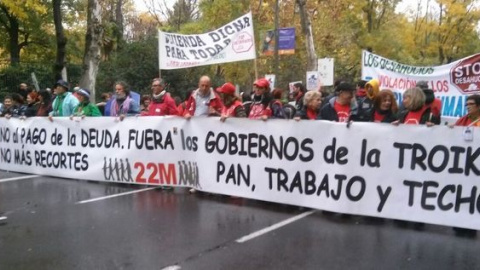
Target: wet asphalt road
46, 228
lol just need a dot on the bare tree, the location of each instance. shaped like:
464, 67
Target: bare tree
312, 60
61, 39
93, 45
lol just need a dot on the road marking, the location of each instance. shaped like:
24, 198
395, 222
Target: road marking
172, 267
3, 218
19, 178
116, 195
273, 227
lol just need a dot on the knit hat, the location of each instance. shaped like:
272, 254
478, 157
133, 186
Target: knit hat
227, 88
375, 84
84, 92
263, 83
62, 83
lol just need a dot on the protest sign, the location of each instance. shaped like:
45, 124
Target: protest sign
229, 43
407, 172
451, 82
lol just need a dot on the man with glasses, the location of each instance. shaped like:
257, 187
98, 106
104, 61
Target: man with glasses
161, 102
472, 118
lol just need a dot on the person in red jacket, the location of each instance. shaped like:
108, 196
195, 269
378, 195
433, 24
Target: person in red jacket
260, 108
233, 107
161, 102
472, 118
203, 101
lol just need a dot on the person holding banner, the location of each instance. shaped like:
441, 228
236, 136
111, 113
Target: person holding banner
122, 103
32, 104
385, 107
232, 105
260, 107
161, 102
311, 109
342, 107
203, 101
64, 102
45, 106
415, 112
472, 118
85, 107
431, 101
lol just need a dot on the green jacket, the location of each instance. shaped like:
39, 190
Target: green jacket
87, 109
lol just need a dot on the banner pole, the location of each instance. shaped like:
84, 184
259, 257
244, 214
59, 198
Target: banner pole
255, 67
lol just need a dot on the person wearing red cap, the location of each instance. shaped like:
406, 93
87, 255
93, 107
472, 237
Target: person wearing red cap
161, 102
232, 105
203, 101
260, 108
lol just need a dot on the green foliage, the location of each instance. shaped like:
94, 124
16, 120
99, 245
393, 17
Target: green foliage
12, 76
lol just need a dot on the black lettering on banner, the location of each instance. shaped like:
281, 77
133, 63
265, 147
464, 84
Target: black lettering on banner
71, 138
256, 145
5, 134
441, 196
340, 178
429, 191
33, 136
426, 194
469, 163
438, 158
361, 192
383, 195
372, 156
61, 160
235, 173
411, 192
22, 157
331, 154
56, 138
149, 139
189, 142
456, 159
94, 138
5, 155
470, 200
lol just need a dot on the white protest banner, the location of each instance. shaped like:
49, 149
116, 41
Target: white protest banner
326, 71
313, 81
451, 83
407, 172
229, 43
271, 79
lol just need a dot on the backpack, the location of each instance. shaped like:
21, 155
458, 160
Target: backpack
289, 111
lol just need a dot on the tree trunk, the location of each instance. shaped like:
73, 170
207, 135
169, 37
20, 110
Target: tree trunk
61, 40
13, 30
312, 60
119, 23
93, 45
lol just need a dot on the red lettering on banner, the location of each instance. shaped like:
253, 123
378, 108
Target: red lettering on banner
160, 173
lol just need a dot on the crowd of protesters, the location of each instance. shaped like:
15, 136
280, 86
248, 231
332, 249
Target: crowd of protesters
363, 102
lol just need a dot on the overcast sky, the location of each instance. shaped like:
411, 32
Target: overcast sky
403, 6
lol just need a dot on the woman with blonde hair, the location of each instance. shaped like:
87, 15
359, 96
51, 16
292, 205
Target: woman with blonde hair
311, 106
415, 113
